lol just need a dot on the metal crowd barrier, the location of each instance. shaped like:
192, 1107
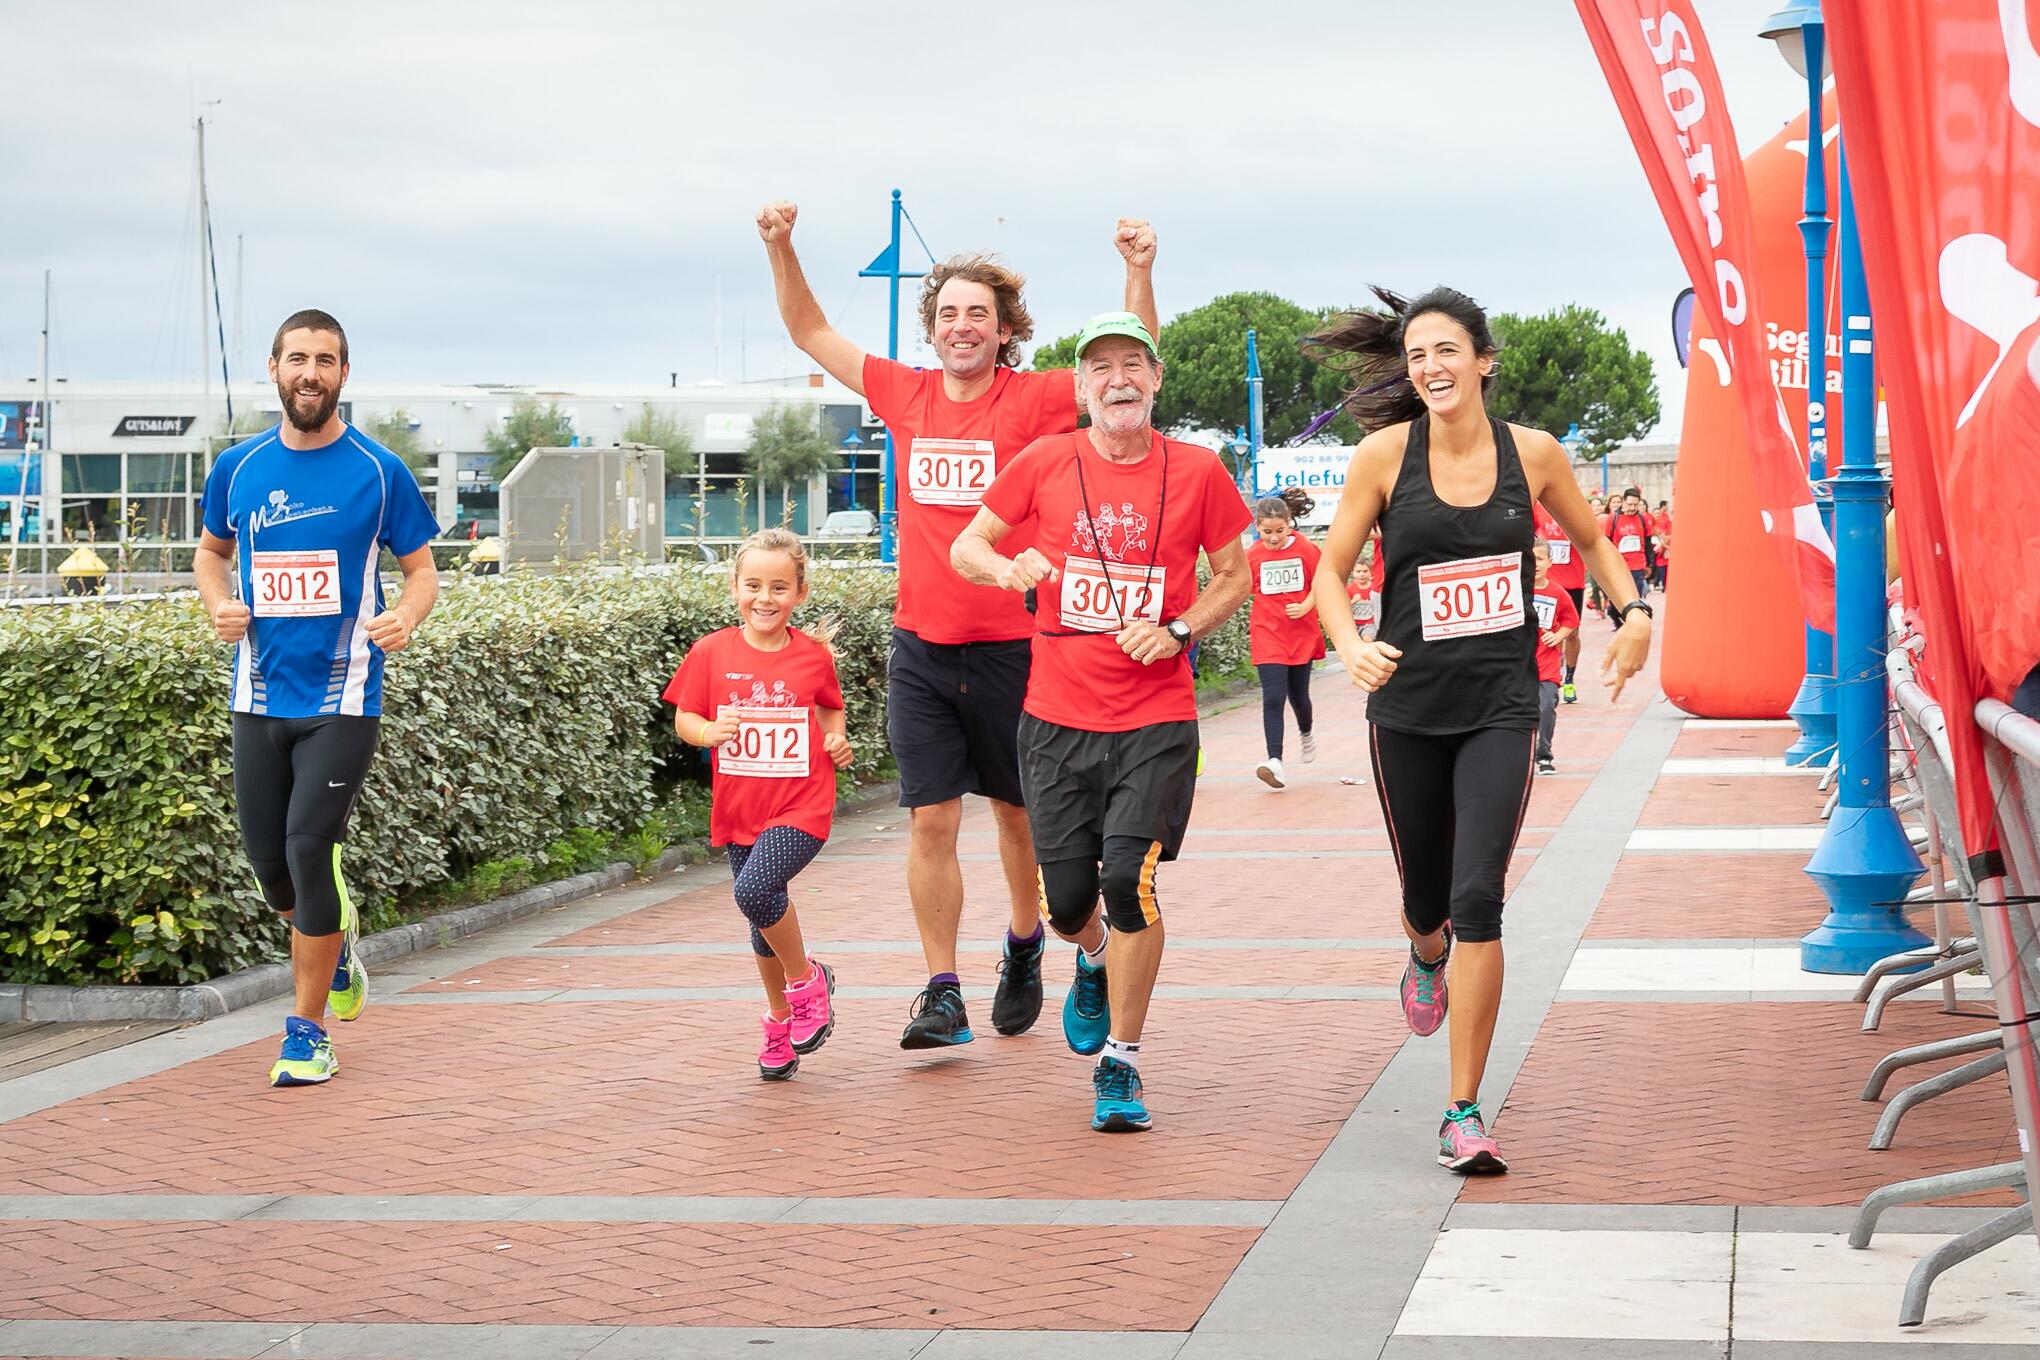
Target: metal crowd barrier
2005, 942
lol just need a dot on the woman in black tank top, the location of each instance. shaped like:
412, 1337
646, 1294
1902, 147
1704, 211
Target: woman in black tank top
1452, 673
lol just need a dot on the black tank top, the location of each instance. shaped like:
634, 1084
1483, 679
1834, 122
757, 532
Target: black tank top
1457, 600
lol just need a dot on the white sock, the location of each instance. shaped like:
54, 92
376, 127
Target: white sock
1126, 1053
1097, 958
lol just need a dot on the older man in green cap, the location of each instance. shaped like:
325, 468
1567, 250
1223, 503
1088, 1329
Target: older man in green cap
1108, 733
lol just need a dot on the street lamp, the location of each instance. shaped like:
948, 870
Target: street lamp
1801, 39
1865, 864
852, 446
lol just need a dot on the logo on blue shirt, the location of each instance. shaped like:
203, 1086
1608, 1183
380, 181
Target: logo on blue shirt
283, 510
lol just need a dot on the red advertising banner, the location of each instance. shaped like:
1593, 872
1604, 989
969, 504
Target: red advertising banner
1663, 78
1941, 124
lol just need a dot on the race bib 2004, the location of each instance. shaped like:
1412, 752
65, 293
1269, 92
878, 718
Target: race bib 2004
1283, 576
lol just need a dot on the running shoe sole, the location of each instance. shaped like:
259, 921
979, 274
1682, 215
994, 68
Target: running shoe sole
914, 1041
1121, 1123
821, 1036
1481, 1163
1267, 776
305, 1074
344, 1009
779, 1073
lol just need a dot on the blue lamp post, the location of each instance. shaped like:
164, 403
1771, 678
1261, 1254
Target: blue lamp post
1255, 427
887, 266
1801, 37
1864, 864
852, 446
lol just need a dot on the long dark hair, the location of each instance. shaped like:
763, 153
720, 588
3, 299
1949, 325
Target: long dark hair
1291, 503
1368, 346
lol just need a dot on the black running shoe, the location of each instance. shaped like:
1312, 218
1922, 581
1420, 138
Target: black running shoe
937, 1020
1017, 1003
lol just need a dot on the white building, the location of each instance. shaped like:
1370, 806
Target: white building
128, 459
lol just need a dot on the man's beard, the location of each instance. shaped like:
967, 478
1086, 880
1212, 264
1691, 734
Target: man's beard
316, 418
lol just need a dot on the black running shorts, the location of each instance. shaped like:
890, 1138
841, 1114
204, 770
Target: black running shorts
1084, 786
951, 714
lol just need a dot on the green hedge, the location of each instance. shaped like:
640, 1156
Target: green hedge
524, 712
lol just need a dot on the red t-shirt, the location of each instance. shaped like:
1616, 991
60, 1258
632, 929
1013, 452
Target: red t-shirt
774, 772
1627, 533
1377, 572
1566, 567
1554, 609
1080, 677
945, 453
1278, 577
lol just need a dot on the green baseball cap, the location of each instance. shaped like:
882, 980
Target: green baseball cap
1115, 323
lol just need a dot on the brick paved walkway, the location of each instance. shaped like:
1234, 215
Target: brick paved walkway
549, 1141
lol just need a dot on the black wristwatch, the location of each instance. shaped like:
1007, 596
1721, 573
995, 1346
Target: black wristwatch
1180, 631
1623, 612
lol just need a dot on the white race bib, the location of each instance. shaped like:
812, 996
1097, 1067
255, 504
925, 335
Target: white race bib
1547, 610
1470, 597
1629, 543
1103, 598
1561, 551
293, 584
950, 471
771, 743
1283, 576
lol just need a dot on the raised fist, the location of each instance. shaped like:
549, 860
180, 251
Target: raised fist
1136, 242
775, 221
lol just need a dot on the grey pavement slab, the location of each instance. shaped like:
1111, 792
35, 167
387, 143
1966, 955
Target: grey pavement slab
1596, 1217
724, 1343
964, 1345
1552, 1348
172, 1340
581, 996
914, 947
445, 1341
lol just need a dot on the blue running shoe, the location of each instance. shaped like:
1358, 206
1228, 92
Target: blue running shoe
307, 1058
1119, 1108
1087, 1014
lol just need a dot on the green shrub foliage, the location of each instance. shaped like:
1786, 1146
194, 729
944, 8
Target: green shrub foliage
524, 714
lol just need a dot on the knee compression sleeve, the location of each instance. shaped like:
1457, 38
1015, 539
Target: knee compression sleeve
314, 864
1127, 881
1069, 894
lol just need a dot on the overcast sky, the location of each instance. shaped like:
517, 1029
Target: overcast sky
549, 193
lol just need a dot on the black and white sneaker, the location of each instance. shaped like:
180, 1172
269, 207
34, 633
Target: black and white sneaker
1547, 766
937, 1020
1016, 1005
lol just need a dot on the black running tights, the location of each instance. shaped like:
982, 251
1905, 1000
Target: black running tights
1280, 684
1454, 805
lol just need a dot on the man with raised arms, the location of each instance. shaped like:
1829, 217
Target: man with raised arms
958, 666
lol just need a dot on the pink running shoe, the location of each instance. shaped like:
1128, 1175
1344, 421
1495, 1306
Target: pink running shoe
1424, 998
813, 1017
1464, 1144
776, 1058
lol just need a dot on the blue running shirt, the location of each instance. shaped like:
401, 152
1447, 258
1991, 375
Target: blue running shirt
308, 525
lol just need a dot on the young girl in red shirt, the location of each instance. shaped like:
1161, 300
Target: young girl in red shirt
779, 736
1283, 634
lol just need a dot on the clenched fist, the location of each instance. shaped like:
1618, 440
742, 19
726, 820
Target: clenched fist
1136, 242
230, 620
775, 222
1026, 571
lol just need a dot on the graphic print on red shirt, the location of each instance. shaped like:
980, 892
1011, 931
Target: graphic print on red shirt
774, 771
1278, 577
945, 454
1554, 609
1124, 551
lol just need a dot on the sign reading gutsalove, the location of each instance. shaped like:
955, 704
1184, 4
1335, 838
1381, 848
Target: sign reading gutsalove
132, 426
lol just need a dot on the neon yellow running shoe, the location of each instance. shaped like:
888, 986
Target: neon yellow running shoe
307, 1058
1200, 760
349, 990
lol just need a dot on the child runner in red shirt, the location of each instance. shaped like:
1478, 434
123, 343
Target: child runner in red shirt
779, 736
1283, 633
1558, 619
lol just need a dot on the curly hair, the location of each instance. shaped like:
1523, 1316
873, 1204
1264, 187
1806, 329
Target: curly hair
1368, 346
1291, 503
1005, 285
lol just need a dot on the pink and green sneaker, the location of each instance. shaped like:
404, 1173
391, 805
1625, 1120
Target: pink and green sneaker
1424, 998
1464, 1144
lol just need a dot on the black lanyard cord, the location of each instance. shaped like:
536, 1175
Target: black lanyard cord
1098, 547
